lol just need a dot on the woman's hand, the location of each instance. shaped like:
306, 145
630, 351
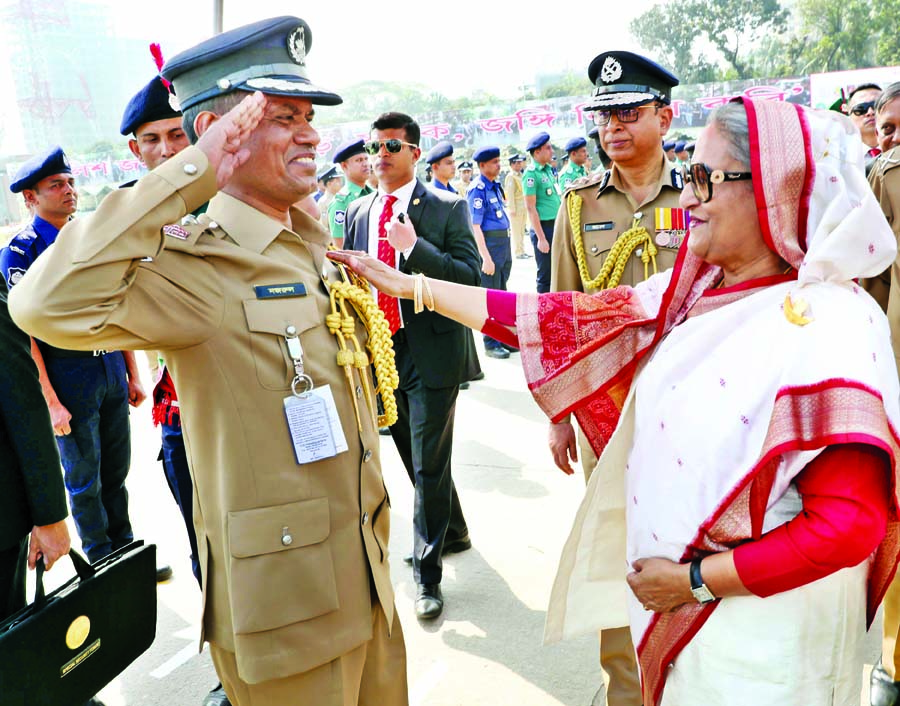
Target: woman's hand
660, 585
386, 279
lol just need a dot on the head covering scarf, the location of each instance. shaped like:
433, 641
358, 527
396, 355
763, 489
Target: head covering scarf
813, 345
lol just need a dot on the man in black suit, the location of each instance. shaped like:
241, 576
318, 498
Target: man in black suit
32, 493
421, 230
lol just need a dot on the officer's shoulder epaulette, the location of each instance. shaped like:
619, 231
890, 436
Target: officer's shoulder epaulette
345, 191
478, 184
887, 160
587, 181
26, 237
186, 232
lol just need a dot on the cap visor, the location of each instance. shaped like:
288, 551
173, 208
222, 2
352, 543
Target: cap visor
291, 86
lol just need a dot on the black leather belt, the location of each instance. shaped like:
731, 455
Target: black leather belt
49, 351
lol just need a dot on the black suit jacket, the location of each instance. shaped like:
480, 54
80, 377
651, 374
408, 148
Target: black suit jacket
445, 250
31, 484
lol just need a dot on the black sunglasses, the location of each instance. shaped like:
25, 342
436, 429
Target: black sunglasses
393, 146
862, 108
701, 178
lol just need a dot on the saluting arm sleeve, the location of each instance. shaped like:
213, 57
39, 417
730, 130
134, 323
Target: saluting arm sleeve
460, 261
95, 288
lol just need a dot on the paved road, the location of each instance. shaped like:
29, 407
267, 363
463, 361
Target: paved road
486, 649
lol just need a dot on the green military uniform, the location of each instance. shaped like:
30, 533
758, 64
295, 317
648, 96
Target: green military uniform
571, 172
337, 210
540, 182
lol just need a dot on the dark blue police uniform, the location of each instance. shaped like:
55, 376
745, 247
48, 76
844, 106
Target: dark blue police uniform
91, 385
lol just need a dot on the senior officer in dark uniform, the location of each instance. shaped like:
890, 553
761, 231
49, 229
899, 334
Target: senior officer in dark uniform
292, 517
355, 166
541, 191
634, 204
87, 392
490, 224
443, 166
576, 150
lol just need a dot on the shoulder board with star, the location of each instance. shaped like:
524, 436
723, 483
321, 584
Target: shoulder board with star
586, 181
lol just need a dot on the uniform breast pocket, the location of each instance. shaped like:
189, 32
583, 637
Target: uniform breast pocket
597, 244
268, 321
283, 549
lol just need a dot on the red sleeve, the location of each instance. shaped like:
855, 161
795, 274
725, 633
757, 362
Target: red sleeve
501, 308
845, 492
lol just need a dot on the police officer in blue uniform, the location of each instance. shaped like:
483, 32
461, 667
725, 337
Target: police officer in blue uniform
88, 393
443, 166
491, 227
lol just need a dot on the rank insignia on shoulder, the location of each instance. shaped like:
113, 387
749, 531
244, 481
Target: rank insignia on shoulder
604, 182
16, 249
189, 220
677, 179
176, 232
280, 291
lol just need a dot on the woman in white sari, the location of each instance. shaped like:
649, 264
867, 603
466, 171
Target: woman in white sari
743, 518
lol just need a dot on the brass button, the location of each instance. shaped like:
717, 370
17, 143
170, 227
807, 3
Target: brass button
365, 518
190, 169
367, 455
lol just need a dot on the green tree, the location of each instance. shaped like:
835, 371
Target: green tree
838, 34
670, 31
884, 18
572, 84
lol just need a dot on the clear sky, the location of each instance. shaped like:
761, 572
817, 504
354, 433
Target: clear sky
453, 47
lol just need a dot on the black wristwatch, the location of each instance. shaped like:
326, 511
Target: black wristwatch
698, 588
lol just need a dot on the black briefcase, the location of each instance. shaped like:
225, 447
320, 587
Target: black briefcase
65, 647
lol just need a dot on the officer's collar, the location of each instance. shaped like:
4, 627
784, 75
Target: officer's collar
667, 172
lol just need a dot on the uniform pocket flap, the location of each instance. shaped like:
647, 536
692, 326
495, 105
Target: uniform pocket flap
267, 530
275, 315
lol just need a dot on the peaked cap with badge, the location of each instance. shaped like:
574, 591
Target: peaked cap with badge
44, 164
623, 79
267, 56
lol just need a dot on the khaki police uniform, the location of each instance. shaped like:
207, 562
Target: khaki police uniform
297, 596
515, 205
885, 181
607, 211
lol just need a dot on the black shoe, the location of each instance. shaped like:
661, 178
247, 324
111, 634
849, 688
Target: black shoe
463, 386
883, 691
511, 349
452, 546
499, 353
217, 697
429, 601
479, 376
384, 431
163, 573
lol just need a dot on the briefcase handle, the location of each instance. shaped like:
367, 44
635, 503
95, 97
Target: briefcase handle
82, 568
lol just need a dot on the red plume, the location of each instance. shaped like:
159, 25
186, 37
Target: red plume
156, 51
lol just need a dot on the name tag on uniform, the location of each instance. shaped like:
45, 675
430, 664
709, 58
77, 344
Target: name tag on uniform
314, 425
280, 291
592, 227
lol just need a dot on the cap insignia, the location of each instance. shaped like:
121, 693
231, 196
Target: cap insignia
174, 103
296, 44
611, 71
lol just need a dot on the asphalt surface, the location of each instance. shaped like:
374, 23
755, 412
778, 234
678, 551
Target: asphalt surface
486, 648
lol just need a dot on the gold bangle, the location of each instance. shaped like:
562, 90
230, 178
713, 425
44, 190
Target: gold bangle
430, 302
417, 293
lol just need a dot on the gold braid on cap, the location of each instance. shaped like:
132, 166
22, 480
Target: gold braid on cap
355, 289
614, 265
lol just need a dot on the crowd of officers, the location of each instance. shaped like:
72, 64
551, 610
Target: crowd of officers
590, 229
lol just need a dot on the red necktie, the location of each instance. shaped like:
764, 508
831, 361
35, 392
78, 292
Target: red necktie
386, 253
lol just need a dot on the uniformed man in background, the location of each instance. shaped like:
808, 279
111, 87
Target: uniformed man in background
636, 201
87, 391
515, 204
464, 172
576, 149
541, 204
292, 517
443, 166
333, 181
490, 224
355, 165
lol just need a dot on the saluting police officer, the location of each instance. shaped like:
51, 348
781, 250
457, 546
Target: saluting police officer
292, 517
542, 192
576, 149
491, 227
88, 392
355, 165
443, 166
635, 203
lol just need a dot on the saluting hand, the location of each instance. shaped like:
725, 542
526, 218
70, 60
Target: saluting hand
223, 142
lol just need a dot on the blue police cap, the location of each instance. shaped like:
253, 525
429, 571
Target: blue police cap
679, 146
267, 56
517, 158
438, 152
151, 103
328, 173
576, 143
538, 140
465, 164
48, 163
668, 145
486, 154
690, 147
348, 150
594, 132
622, 79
